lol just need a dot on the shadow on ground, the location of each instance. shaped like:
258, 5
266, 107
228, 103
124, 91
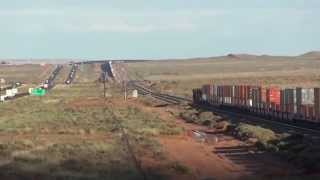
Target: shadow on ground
244, 156
72, 170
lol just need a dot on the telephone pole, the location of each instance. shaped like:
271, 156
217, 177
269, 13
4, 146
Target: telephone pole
104, 85
125, 89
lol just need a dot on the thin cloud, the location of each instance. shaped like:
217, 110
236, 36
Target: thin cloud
88, 21
30, 12
111, 20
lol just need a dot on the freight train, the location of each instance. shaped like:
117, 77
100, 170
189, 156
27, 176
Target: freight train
107, 70
290, 104
72, 74
49, 83
13, 85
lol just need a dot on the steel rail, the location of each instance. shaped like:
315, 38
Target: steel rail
249, 118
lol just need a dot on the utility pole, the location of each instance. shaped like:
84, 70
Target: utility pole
104, 85
104, 79
125, 90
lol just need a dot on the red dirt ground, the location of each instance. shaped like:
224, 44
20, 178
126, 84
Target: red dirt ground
229, 158
199, 158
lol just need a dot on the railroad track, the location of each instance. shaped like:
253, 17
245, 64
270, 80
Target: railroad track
277, 126
163, 97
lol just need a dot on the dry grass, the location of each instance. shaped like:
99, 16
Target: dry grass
184, 75
71, 133
30, 73
88, 73
62, 76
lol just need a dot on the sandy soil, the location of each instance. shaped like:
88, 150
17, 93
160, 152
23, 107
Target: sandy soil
228, 158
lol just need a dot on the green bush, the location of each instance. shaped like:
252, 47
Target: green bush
263, 135
204, 118
182, 169
189, 116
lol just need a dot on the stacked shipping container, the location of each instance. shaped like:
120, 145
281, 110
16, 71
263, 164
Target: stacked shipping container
298, 103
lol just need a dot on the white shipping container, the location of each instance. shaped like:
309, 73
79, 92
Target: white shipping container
204, 97
30, 90
220, 99
9, 93
135, 93
227, 100
2, 98
14, 91
233, 91
307, 96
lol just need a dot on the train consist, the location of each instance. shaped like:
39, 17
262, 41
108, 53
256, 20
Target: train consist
72, 74
107, 71
289, 104
49, 83
13, 85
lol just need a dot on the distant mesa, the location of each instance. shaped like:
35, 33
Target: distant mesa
311, 54
3, 62
232, 56
241, 56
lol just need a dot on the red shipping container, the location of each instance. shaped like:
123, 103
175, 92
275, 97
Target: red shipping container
243, 92
273, 95
225, 91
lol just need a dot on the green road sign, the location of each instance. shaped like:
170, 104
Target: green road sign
38, 92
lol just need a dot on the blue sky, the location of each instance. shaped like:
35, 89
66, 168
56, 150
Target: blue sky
150, 29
